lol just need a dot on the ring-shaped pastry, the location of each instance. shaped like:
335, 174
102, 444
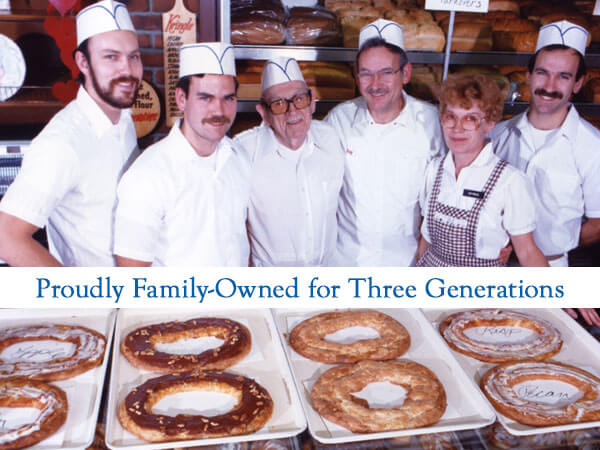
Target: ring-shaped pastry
253, 409
503, 383
50, 401
424, 403
89, 352
138, 346
308, 337
545, 342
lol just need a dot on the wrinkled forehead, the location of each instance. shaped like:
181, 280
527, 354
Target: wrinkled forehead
285, 90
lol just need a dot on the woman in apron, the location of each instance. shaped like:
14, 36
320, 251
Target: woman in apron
473, 202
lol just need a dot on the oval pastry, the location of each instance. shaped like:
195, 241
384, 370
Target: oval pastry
138, 346
308, 337
544, 342
424, 403
50, 401
253, 409
89, 352
502, 385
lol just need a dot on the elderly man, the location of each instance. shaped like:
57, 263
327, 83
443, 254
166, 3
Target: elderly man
70, 173
184, 201
296, 175
388, 137
555, 147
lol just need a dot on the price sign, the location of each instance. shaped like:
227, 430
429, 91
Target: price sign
179, 28
480, 6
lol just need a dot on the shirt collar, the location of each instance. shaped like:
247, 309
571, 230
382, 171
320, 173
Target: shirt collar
179, 147
277, 147
484, 157
99, 121
568, 129
406, 118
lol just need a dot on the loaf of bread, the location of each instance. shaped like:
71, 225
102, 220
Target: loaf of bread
504, 5
472, 36
313, 26
256, 29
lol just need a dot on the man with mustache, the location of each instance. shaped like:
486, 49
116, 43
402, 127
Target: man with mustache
184, 201
70, 172
555, 147
297, 170
388, 138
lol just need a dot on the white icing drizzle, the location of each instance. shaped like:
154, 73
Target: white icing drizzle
499, 387
89, 347
546, 338
47, 399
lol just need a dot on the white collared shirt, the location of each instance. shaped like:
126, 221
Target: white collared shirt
379, 213
508, 211
565, 173
176, 208
69, 178
293, 196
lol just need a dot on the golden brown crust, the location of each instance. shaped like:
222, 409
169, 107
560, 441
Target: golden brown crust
545, 343
51, 402
424, 404
308, 337
138, 346
89, 352
257, 30
251, 413
503, 386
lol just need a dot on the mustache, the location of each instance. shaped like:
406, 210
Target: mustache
124, 79
217, 120
377, 91
554, 94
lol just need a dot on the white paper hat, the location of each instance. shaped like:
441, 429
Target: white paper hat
387, 30
106, 15
563, 33
280, 70
207, 57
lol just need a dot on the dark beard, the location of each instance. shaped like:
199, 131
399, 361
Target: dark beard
106, 95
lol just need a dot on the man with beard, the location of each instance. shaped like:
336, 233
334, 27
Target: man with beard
297, 170
70, 172
184, 201
388, 137
555, 147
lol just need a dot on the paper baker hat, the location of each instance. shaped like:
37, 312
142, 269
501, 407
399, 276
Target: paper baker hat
280, 70
106, 15
387, 30
563, 33
207, 57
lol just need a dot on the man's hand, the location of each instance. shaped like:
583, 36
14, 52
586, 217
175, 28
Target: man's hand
590, 315
505, 254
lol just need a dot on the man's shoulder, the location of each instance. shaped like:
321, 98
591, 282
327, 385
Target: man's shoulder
505, 126
589, 132
347, 108
247, 138
326, 137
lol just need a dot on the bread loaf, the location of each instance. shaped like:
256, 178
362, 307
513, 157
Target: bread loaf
472, 36
504, 5
313, 26
256, 29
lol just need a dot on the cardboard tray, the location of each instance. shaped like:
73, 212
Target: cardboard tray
265, 363
466, 407
84, 391
579, 349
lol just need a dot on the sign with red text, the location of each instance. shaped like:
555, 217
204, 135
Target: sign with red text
480, 6
179, 28
145, 112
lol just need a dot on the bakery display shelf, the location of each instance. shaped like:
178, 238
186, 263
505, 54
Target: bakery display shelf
22, 15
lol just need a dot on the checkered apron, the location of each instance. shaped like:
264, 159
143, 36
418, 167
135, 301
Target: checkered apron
453, 245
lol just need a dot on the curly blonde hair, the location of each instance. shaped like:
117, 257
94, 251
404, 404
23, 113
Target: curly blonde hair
468, 90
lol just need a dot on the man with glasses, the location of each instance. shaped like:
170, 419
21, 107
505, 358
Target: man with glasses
555, 147
69, 177
184, 201
388, 139
296, 176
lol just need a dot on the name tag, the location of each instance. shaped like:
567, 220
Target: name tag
472, 194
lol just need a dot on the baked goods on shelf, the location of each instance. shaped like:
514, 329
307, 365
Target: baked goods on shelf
49, 401
313, 26
591, 90
519, 391
257, 22
252, 411
424, 403
491, 335
139, 345
89, 348
308, 338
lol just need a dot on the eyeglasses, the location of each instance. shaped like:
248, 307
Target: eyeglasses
366, 76
282, 105
468, 122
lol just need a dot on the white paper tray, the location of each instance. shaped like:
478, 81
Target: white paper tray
466, 406
84, 391
265, 363
579, 349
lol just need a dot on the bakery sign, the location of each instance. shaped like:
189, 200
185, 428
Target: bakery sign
458, 5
